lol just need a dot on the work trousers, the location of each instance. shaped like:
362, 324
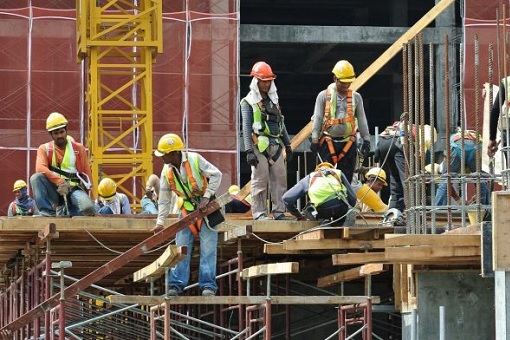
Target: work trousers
264, 175
392, 156
348, 162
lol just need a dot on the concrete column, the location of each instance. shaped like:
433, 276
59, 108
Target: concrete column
502, 303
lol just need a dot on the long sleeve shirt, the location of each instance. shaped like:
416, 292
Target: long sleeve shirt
42, 164
496, 111
341, 112
168, 200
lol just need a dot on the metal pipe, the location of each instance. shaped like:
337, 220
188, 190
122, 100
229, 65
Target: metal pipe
442, 323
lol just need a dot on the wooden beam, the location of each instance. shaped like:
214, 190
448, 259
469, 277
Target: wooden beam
333, 244
351, 274
170, 257
242, 300
270, 269
358, 258
396, 240
408, 254
371, 70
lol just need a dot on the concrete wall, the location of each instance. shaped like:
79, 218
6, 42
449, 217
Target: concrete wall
469, 306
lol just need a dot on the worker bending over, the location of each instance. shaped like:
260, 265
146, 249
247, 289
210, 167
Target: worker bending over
110, 201
331, 196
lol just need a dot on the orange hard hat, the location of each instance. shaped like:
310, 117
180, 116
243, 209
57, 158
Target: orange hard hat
262, 71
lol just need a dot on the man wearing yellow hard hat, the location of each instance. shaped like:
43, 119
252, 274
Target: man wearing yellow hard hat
62, 179
111, 202
331, 196
368, 192
195, 181
338, 116
23, 204
237, 205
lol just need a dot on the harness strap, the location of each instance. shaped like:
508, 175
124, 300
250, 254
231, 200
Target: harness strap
331, 147
194, 227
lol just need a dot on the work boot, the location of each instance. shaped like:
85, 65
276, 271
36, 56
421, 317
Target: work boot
208, 292
282, 217
263, 217
172, 291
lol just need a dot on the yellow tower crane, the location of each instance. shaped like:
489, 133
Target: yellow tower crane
119, 39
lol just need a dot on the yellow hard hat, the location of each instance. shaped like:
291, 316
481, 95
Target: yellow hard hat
344, 71
324, 165
168, 143
234, 189
180, 202
19, 184
107, 188
379, 173
55, 121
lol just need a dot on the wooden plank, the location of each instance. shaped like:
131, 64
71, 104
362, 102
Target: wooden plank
358, 258
500, 230
170, 257
436, 240
270, 269
233, 234
408, 254
242, 300
486, 239
333, 244
317, 234
277, 248
350, 274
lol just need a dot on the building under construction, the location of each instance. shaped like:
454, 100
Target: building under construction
125, 72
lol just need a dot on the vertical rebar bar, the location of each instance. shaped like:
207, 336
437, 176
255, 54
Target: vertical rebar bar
448, 129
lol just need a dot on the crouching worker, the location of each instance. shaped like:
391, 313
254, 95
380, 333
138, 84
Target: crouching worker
331, 196
237, 205
110, 201
62, 177
368, 192
193, 179
23, 204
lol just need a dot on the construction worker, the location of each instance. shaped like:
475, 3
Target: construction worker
110, 201
265, 139
237, 205
149, 201
470, 146
330, 193
338, 116
23, 205
193, 179
368, 192
390, 152
63, 173
499, 118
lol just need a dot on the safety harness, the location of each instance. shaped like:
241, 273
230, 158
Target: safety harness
324, 172
70, 156
189, 192
329, 120
261, 132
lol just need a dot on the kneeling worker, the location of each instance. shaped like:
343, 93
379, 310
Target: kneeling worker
110, 201
368, 192
329, 191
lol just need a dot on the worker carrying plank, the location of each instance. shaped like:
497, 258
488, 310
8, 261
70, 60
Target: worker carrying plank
195, 181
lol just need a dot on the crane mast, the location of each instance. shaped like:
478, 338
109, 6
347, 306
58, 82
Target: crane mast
118, 41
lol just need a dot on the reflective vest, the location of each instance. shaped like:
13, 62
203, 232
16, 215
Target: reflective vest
260, 127
17, 211
326, 184
330, 112
69, 165
190, 189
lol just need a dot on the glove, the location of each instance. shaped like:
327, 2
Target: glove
289, 153
64, 188
251, 158
365, 149
314, 147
